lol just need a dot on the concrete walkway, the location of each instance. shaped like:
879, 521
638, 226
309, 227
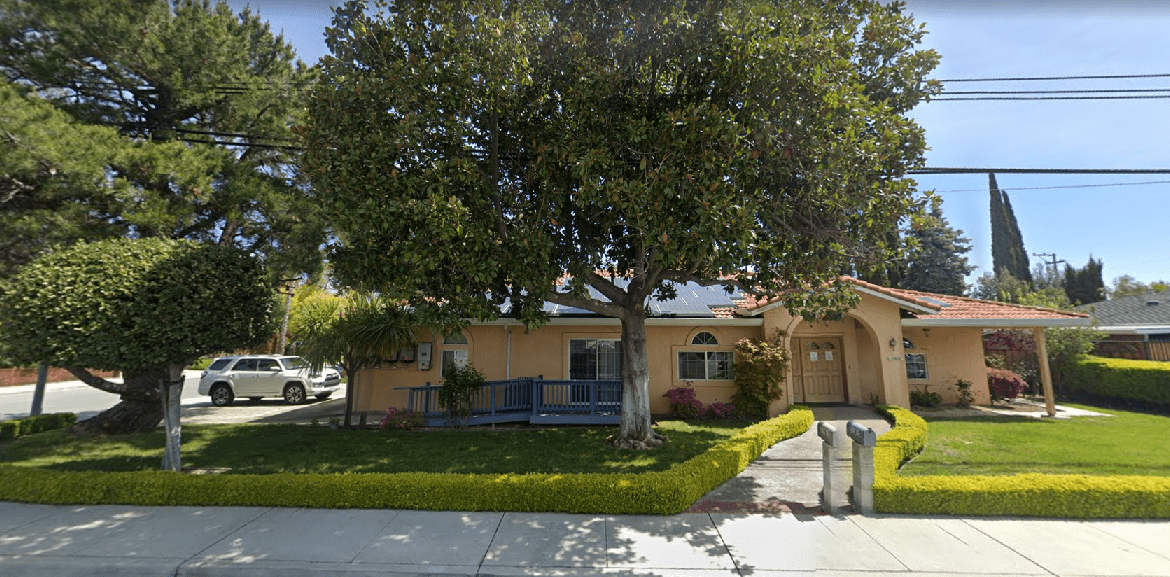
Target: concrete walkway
39, 540
788, 477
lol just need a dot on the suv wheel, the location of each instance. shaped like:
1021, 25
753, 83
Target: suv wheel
294, 393
221, 395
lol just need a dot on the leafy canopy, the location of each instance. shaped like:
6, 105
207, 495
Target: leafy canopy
128, 305
472, 152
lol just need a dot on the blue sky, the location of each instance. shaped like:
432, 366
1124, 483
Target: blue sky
1127, 226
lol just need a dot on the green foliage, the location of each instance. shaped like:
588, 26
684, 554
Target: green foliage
760, 366
132, 304
966, 397
1007, 243
1030, 494
936, 263
1141, 382
158, 74
666, 492
1002, 287
659, 141
356, 331
14, 428
1125, 285
925, 398
1084, 285
459, 386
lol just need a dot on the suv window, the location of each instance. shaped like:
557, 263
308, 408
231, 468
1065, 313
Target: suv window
245, 365
266, 364
293, 363
219, 364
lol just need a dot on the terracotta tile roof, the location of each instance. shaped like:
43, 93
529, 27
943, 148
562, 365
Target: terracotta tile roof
941, 307
723, 313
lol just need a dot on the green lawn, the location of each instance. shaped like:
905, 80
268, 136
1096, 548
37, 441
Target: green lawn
1123, 444
265, 449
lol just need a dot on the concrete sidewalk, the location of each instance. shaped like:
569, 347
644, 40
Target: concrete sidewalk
153, 541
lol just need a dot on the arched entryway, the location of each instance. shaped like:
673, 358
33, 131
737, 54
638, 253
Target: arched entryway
819, 369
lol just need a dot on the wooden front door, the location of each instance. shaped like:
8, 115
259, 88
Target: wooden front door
818, 370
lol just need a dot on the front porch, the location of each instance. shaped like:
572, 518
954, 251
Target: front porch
532, 400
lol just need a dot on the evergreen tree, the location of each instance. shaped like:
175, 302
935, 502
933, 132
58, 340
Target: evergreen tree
1007, 243
1084, 285
936, 263
162, 75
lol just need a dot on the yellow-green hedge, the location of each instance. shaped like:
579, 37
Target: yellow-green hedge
1120, 379
14, 428
663, 492
1032, 494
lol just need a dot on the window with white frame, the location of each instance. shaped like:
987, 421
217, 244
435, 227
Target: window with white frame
915, 366
595, 359
457, 355
705, 365
704, 338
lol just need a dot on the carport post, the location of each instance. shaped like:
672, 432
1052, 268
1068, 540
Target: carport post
1045, 370
831, 441
864, 440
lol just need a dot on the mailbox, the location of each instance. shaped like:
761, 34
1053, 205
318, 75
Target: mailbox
861, 434
827, 432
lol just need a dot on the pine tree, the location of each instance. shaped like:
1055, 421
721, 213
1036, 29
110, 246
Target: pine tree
1007, 243
937, 263
1084, 285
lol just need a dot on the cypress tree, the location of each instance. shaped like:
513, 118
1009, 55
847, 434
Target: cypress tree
1084, 285
1007, 243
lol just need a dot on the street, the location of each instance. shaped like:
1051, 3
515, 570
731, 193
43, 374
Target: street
86, 402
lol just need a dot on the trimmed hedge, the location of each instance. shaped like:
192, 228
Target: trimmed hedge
1032, 494
18, 427
1144, 382
664, 492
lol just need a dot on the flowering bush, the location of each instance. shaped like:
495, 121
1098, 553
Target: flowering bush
721, 410
1004, 384
759, 372
683, 403
401, 420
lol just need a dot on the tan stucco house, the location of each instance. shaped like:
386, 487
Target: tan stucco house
892, 342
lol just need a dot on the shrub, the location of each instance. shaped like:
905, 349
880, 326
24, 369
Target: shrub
460, 383
663, 492
760, 366
19, 427
683, 403
1004, 384
1144, 383
720, 410
397, 419
925, 398
966, 397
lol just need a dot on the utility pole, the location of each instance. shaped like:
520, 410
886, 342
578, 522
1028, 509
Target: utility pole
1053, 262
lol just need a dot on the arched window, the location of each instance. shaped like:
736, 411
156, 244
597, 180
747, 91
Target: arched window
704, 338
455, 339
907, 343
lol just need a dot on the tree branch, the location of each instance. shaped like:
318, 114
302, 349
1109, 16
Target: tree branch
96, 382
594, 305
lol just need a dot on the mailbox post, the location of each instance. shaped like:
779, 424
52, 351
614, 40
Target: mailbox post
830, 446
864, 440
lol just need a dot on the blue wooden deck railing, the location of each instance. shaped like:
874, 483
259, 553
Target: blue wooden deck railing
528, 399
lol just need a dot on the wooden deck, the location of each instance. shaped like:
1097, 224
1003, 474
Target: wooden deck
532, 400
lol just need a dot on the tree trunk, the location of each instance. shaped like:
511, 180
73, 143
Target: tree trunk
635, 431
139, 411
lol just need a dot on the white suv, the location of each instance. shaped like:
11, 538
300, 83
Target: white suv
257, 376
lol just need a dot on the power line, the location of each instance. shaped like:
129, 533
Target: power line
1152, 97
1066, 186
949, 170
1039, 78
1089, 91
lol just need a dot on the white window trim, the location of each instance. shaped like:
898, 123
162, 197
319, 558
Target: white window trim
569, 354
925, 366
706, 352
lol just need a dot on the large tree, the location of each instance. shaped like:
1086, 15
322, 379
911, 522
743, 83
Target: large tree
1007, 242
473, 154
1084, 285
936, 263
135, 306
205, 101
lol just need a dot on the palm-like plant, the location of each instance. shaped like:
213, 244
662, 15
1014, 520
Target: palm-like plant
355, 331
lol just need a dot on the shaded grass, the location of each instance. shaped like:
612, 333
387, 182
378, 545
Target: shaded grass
267, 449
1125, 443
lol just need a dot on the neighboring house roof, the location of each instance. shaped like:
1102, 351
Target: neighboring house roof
1137, 314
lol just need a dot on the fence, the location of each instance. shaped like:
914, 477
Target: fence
531, 400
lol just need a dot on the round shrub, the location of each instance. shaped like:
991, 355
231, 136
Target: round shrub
1004, 384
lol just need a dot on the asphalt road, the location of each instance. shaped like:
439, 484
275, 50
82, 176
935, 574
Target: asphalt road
86, 402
